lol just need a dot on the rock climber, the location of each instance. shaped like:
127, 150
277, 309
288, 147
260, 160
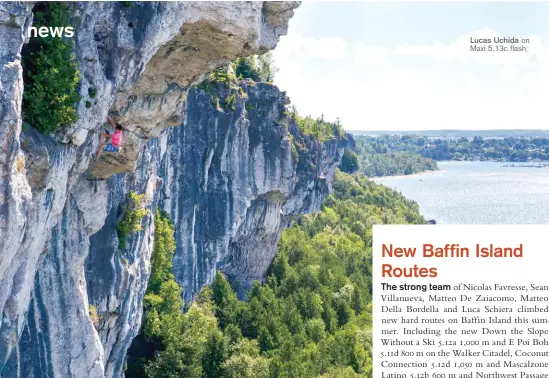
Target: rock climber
111, 142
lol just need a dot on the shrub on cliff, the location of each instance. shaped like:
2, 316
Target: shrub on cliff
164, 248
163, 296
94, 316
258, 68
130, 219
349, 161
50, 73
319, 128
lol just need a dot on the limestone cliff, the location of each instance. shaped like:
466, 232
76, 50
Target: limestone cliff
230, 179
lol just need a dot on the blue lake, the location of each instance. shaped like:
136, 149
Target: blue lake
478, 193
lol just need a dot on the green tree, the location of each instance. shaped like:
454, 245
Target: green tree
246, 68
266, 67
164, 248
214, 355
349, 161
245, 361
259, 68
224, 299
51, 73
130, 219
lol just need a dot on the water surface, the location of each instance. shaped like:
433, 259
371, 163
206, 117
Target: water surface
478, 193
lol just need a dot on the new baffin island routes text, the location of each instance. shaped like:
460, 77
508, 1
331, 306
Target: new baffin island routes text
484, 315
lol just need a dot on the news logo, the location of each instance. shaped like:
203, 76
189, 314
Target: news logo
50, 32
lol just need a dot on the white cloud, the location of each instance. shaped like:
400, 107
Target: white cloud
435, 50
508, 73
370, 55
302, 47
452, 88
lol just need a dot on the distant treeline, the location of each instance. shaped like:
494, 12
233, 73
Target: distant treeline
376, 160
476, 148
459, 133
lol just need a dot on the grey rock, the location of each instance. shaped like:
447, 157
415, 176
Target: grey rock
15, 192
248, 185
228, 178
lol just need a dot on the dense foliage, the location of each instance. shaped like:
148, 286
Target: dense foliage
50, 73
311, 318
259, 68
377, 159
319, 128
162, 302
130, 219
349, 161
449, 134
477, 148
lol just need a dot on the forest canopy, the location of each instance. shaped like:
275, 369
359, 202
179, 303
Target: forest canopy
514, 149
311, 317
378, 159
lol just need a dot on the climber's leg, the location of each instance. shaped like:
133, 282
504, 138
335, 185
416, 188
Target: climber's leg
102, 144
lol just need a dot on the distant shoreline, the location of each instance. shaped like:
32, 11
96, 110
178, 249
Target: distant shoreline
505, 164
454, 133
419, 174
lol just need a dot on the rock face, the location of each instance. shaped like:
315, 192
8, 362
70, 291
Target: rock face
230, 179
248, 184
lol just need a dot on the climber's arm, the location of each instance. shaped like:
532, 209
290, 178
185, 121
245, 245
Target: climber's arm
111, 122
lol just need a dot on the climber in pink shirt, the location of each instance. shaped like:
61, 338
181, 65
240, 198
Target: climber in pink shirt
115, 139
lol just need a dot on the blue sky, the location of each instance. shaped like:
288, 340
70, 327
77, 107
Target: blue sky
407, 65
